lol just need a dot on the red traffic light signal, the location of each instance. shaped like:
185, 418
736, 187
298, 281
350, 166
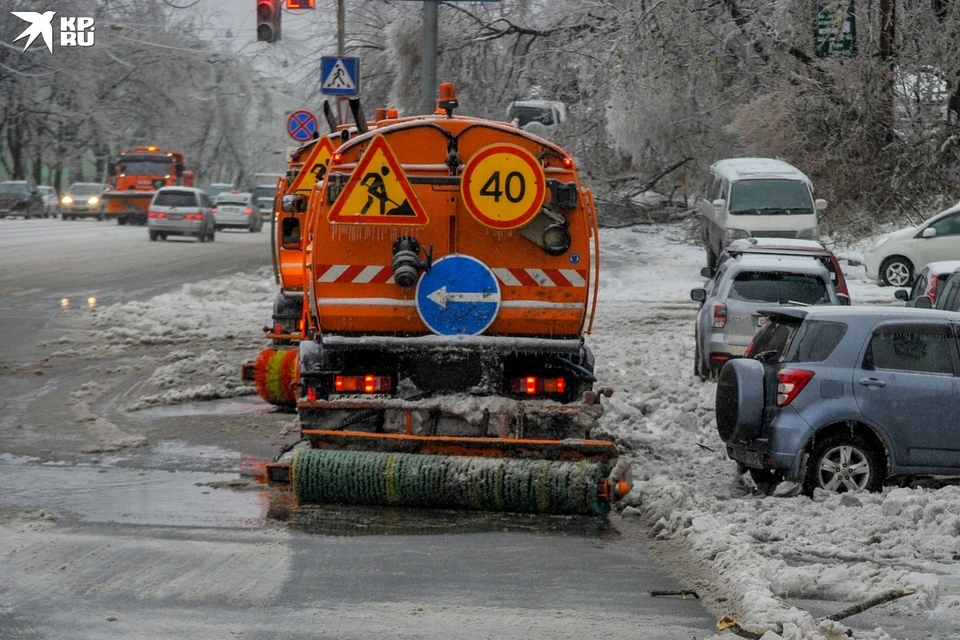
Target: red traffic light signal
301, 4
268, 20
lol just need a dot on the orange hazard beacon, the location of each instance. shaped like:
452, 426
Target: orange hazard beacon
450, 275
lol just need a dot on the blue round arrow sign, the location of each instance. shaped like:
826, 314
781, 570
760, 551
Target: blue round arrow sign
301, 125
459, 295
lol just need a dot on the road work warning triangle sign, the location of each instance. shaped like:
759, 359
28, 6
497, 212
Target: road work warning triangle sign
314, 169
378, 191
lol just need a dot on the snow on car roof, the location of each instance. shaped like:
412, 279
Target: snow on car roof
786, 243
746, 168
776, 262
942, 266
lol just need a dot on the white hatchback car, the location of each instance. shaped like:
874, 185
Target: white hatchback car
896, 258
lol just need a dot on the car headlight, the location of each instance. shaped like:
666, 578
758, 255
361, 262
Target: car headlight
93, 200
735, 234
67, 200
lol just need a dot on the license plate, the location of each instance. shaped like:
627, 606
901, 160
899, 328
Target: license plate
753, 460
359, 396
762, 320
175, 216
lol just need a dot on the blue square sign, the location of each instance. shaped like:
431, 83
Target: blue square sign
340, 76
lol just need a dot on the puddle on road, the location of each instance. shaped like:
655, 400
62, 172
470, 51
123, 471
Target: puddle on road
223, 407
129, 496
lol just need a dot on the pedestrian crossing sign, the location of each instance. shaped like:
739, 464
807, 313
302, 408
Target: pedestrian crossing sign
340, 76
378, 191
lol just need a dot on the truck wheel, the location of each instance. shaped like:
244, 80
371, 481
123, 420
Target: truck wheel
844, 462
122, 221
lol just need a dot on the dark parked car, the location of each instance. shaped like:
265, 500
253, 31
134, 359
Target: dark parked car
21, 198
843, 398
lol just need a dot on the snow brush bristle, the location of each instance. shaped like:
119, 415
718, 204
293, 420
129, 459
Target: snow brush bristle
274, 374
322, 476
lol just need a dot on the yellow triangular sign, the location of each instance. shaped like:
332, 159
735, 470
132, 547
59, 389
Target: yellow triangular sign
314, 169
378, 191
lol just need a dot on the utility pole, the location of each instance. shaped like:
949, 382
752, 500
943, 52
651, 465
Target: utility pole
428, 62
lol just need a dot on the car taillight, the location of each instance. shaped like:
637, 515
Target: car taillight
368, 383
533, 385
155, 214
193, 216
719, 315
932, 293
248, 211
791, 382
213, 209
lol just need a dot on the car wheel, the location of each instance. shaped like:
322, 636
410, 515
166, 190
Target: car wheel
213, 235
844, 462
202, 237
154, 235
896, 271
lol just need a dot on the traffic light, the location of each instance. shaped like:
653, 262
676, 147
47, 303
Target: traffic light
268, 20
301, 4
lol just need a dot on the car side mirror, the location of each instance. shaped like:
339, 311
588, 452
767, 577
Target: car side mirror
719, 204
923, 302
820, 204
929, 232
843, 299
707, 272
901, 294
292, 203
698, 295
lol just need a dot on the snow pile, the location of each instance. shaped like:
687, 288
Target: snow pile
230, 308
766, 549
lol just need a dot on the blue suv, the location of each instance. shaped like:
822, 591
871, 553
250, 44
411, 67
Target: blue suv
843, 398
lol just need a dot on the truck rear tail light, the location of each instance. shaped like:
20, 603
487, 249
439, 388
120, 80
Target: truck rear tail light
719, 315
362, 384
791, 382
533, 385
154, 214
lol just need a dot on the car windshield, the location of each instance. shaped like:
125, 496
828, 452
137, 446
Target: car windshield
779, 288
526, 115
133, 167
232, 199
215, 190
14, 188
263, 192
85, 189
773, 196
175, 199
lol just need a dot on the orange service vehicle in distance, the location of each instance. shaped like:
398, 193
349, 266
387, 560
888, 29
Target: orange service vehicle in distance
135, 178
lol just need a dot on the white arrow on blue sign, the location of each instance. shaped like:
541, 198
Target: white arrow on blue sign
340, 76
459, 295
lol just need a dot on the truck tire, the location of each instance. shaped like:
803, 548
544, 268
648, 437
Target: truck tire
739, 404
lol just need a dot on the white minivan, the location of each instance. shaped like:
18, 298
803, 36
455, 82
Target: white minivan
757, 198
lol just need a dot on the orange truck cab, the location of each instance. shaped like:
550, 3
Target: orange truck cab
451, 273
135, 178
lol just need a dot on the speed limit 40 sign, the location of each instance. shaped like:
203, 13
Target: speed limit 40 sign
503, 186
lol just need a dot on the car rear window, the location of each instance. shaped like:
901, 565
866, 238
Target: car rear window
176, 199
814, 341
773, 337
231, 200
779, 288
915, 347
